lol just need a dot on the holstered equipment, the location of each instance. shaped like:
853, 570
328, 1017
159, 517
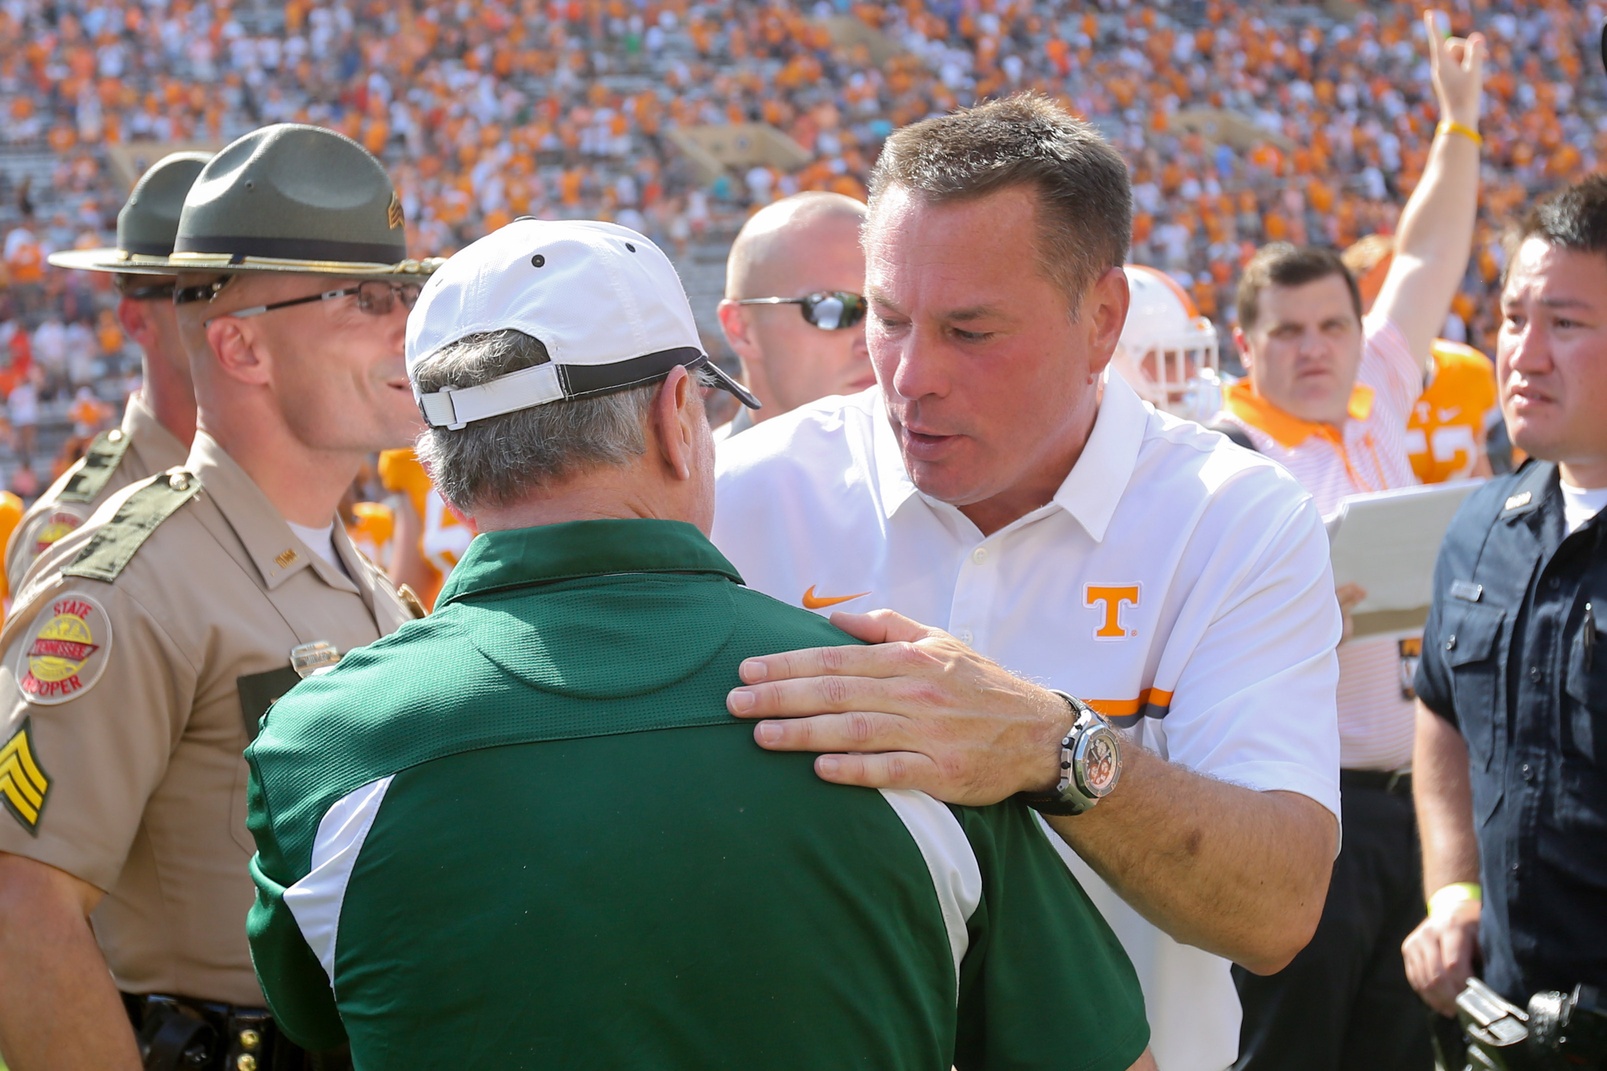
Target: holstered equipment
182, 1034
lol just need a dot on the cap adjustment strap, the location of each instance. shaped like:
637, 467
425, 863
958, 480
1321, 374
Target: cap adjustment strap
453, 408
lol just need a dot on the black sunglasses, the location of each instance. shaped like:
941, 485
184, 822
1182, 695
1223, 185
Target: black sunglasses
376, 297
155, 292
830, 310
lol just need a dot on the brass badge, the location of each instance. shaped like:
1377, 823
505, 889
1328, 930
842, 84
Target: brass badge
410, 599
23, 785
394, 213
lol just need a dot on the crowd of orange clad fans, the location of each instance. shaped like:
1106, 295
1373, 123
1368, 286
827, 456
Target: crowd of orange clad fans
1243, 123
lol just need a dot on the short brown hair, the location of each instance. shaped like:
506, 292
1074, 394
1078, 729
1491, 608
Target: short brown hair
1572, 218
1283, 264
1085, 202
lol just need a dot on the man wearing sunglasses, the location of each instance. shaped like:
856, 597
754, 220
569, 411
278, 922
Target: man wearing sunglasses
146, 646
794, 310
159, 421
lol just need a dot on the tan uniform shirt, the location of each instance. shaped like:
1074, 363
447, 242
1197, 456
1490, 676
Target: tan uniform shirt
151, 449
122, 716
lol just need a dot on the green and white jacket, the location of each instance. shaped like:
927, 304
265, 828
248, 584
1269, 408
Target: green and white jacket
523, 832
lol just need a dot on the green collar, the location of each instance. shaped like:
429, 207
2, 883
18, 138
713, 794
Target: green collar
497, 561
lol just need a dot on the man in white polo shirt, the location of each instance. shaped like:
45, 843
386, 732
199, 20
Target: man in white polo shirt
1178, 585
1328, 396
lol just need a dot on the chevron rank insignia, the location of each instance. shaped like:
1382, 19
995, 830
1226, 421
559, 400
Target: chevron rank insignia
23, 785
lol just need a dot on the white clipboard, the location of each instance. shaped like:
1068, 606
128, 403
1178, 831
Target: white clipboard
1387, 543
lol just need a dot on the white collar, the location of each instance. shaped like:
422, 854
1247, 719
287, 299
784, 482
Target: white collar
1090, 492
1094, 487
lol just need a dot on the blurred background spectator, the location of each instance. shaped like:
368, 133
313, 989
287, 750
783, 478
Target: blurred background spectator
1243, 123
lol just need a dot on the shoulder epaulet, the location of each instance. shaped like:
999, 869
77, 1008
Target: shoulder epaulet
89, 476
115, 543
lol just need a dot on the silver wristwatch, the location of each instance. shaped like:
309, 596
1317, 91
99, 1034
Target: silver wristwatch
1090, 764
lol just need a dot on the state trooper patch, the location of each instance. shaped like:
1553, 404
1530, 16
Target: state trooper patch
59, 523
68, 653
23, 785
51, 526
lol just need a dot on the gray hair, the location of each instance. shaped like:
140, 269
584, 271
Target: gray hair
497, 461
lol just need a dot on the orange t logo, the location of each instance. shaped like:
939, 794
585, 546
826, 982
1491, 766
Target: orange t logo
1112, 598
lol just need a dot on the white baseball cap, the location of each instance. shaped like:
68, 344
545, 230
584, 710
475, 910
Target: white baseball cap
604, 300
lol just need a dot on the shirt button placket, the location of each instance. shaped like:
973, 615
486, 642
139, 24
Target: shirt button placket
974, 594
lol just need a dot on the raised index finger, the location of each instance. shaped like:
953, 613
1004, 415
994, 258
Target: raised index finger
1436, 38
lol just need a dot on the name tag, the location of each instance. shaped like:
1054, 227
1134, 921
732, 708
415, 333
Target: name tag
1466, 589
311, 659
259, 691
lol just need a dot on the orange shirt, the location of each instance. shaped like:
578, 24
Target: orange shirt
27, 263
370, 529
1445, 432
11, 511
443, 536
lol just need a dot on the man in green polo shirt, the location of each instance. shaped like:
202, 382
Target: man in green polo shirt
524, 832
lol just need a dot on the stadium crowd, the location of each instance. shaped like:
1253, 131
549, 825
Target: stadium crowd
489, 111
1246, 131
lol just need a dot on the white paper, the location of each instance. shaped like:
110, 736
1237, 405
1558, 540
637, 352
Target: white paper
1387, 543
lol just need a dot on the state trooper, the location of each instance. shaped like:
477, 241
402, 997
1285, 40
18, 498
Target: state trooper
146, 645
159, 421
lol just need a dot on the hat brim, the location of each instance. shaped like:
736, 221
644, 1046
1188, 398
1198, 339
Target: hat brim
225, 264
726, 383
113, 260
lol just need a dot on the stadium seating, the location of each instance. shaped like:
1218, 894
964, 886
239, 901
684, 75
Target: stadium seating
1243, 123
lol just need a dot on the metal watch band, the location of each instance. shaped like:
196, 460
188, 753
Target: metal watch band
1090, 764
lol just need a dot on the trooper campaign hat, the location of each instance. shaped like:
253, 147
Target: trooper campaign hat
604, 301
294, 198
147, 223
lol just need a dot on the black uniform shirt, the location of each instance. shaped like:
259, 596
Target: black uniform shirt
1515, 656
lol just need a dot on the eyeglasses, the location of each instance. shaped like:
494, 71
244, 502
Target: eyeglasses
156, 292
376, 297
830, 311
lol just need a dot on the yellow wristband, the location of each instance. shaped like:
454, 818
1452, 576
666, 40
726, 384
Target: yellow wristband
1448, 127
1448, 899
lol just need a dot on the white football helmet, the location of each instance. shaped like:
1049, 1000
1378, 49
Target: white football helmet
1168, 351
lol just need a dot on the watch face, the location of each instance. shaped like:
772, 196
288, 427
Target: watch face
1101, 764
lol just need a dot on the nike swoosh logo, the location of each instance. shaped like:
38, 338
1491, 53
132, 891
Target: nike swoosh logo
811, 601
1448, 414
